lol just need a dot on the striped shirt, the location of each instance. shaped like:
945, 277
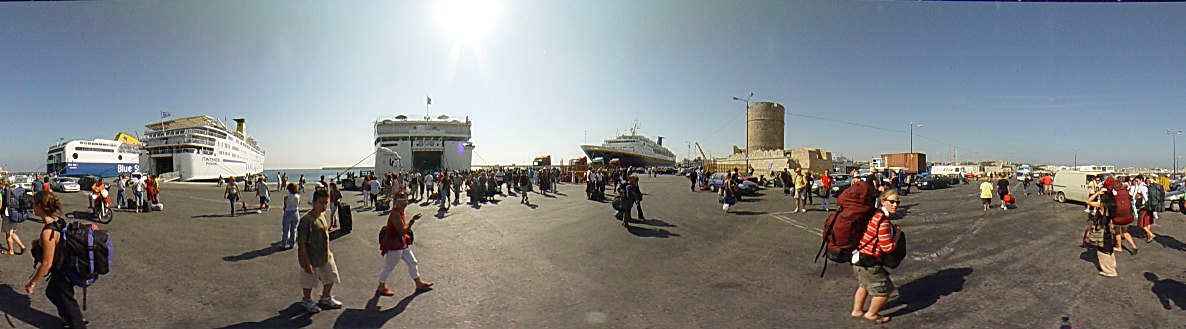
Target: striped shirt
883, 240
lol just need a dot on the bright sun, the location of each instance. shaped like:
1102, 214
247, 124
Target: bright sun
467, 20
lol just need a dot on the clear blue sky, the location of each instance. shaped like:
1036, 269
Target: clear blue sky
1016, 81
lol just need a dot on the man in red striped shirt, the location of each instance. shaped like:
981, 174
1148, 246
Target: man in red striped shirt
874, 280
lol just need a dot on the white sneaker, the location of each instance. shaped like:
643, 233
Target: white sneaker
1087, 210
329, 303
310, 306
796, 210
804, 210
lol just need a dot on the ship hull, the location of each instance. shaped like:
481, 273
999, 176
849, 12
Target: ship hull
625, 159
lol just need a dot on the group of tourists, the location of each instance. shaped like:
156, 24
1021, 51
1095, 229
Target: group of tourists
1114, 206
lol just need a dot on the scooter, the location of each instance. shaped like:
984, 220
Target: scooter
101, 207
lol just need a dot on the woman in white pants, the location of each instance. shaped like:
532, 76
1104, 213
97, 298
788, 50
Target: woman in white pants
396, 246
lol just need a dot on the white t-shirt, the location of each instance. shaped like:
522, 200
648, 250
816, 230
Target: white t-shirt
375, 186
292, 200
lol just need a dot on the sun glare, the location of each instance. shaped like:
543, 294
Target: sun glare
467, 20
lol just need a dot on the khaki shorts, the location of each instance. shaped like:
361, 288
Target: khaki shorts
875, 279
325, 275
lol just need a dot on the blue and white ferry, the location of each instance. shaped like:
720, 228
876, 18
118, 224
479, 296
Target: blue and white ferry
98, 157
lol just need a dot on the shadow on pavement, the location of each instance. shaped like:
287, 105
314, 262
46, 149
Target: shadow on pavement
647, 232
294, 316
654, 222
371, 316
1168, 291
270, 249
747, 212
213, 216
926, 291
1170, 242
336, 234
1088, 255
16, 305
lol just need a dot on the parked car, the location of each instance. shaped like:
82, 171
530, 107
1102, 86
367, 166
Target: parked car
64, 184
840, 185
24, 182
836, 178
930, 182
747, 187
1072, 185
956, 179
1175, 198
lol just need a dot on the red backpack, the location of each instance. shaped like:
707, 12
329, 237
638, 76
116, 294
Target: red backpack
844, 227
1123, 215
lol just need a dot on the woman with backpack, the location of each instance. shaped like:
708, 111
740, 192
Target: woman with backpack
395, 246
1099, 235
728, 194
872, 277
59, 291
232, 194
1122, 217
13, 216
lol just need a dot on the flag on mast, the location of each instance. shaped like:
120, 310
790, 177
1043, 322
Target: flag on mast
429, 100
165, 114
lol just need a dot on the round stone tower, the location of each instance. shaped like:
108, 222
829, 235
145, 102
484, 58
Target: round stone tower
765, 126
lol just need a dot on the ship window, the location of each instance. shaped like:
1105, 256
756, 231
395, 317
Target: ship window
121, 158
75, 156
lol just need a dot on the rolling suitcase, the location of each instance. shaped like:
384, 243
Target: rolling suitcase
345, 217
158, 207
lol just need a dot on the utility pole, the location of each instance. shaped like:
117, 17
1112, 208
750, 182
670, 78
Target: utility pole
1076, 158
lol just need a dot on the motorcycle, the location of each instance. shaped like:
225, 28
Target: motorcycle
101, 207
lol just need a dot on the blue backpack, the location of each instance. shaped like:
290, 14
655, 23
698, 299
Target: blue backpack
83, 252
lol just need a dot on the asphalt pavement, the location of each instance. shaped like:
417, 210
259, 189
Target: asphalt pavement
564, 262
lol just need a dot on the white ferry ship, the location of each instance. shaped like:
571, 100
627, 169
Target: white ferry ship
201, 148
97, 157
422, 145
632, 150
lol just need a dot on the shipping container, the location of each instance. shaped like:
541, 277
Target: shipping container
913, 162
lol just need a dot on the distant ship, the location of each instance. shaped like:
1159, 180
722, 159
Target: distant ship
632, 150
202, 148
96, 157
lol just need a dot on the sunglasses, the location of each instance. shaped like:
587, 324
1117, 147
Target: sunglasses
894, 201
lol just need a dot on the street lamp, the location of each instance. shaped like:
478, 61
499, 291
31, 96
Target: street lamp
746, 100
912, 125
1174, 135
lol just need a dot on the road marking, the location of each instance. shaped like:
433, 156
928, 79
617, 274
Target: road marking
794, 223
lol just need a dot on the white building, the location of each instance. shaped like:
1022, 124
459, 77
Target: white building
421, 145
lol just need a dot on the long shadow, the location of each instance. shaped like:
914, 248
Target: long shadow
647, 232
1088, 255
337, 234
532, 206
271, 249
1168, 291
371, 316
1170, 242
16, 305
654, 222
294, 316
747, 212
926, 291
214, 216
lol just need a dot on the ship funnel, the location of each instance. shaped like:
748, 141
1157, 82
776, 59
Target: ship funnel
241, 126
660, 140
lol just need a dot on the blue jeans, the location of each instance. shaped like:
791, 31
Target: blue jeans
288, 236
139, 199
233, 199
120, 199
824, 202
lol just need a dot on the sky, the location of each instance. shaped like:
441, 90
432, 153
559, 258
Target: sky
1023, 82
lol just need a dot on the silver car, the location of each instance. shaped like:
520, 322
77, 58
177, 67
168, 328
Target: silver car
64, 184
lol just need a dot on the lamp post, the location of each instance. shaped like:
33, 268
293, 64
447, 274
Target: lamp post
746, 100
1174, 135
912, 125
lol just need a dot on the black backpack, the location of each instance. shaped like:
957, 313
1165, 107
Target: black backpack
83, 251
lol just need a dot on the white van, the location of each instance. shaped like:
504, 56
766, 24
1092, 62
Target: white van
1072, 185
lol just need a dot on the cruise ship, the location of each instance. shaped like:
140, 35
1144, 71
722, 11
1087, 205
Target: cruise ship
632, 150
97, 157
425, 144
202, 148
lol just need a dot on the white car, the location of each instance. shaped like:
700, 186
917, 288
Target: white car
24, 182
64, 184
